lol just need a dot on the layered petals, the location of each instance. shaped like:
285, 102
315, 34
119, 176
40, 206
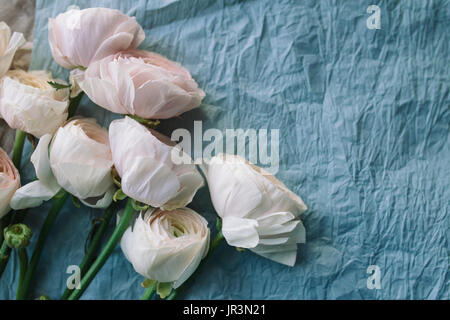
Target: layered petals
142, 158
166, 246
45, 187
258, 212
79, 37
29, 103
9, 182
78, 159
8, 46
141, 83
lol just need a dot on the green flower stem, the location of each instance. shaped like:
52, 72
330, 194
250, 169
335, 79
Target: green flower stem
218, 239
106, 252
4, 256
18, 148
58, 203
149, 292
93, 247
23, 261
4, 252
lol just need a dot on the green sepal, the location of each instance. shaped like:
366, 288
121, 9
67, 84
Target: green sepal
139, 206
58, 86
76, 201
148, 283
146, 122
119, 195
163, 289
116, 178
240, 249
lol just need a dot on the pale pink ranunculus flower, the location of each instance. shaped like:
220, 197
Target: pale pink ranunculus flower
9, 43
79, 37
140, 83
143, 160
166, 246
78, 159
9, 182
29, 103
258, 211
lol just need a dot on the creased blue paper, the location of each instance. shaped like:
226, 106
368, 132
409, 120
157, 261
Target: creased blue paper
364, 126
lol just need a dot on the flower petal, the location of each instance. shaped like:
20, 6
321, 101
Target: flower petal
32, 195
240, 232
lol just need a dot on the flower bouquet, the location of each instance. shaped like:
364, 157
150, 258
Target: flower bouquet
137, 175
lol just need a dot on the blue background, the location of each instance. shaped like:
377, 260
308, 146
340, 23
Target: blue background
364, 126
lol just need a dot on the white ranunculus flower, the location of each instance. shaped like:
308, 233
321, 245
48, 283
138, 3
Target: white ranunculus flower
8, 46
79, 37
9, 182
78, 159
29, 103
258, 212
143, 160
166, 246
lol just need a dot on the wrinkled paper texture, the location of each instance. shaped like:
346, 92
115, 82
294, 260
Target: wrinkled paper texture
363, 117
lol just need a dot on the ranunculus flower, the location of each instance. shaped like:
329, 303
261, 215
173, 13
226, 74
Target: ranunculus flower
166, 246
258, 212
79, 37
9, 182
141, 83
78, 159
8, 46
143, 160
29, 103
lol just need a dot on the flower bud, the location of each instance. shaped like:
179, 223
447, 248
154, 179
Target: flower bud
17, 236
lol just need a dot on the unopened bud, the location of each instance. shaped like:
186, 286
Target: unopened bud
17, 236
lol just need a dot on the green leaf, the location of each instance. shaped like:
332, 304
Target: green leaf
163, 289
139, 206
58, 86
148, 283
119, 195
